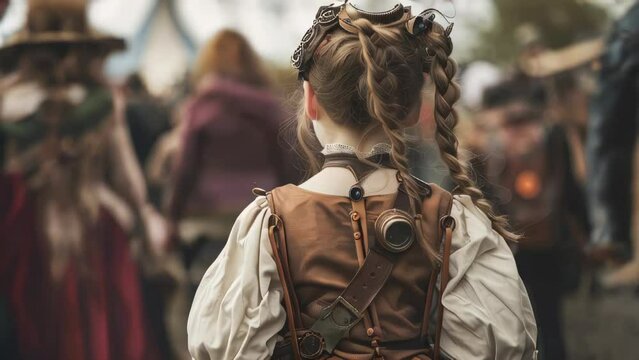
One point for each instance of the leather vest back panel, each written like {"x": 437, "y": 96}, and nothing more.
{"x": 322, "y": 261}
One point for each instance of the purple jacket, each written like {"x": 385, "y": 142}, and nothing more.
{"x": 230, "y": 145}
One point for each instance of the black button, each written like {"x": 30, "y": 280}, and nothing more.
{"x": 356, "y": 193}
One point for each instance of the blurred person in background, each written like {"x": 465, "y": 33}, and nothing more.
{"x": 147, "y": 117}
{"x": 160, "y": 161}
{"x": 532, "y": 180}
{"x": 70, "y": 190}
{"x": 8, "y": 346}
{"x": 569, "y": 103}
{"x": 612, "y": 137}
{"x": 229, "y": 144}
{"x": 478, "y": 136}
{"x": 3, "y": 7}
{"x": 167, "y": 284}
{"x": 568, "y": 74}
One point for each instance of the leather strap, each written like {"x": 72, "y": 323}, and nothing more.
{"x": 290, "y": 300}
{"x": 444, "y": 282}
{"x": 445, "y": 228}
{"x": 279, "y": 234}
{"x": 368, "y": 281}
{"x": 361, "y": 248}
{"x": 337, "y": 319}
{"x": 371, "y": 318}
{"x": 359, "y": 208}
{"x": 359, "y": 168}
{"x": 429, "y": 304}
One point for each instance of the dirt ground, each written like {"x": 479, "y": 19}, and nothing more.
{"x": 602, "y": 326}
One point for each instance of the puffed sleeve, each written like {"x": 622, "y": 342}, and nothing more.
{"x": 236, "y": 313}
{"x": 487, "y": 311}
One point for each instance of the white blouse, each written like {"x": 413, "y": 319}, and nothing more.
{"x": 237, "y": 310}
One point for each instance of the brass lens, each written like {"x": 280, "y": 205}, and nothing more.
{"x": 395, "y": 230}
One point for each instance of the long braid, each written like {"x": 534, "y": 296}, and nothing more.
{"x": 374, "y": 79}
{"x": 386, "y": 103}
{"x": 442, "y": 72}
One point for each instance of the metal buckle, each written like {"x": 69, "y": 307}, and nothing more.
{"x": 335, "y": 321}
{"x": 311, "y": 345}
{"x": 274, "y": 221}
{"x": 331, "y": 312}
{"x": 447, "y": 222}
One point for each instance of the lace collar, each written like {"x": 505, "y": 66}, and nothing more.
{"x": 377, "y": 149}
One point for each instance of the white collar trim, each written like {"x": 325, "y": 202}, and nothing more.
{"x": 377, "y": 149}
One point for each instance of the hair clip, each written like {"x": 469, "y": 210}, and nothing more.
{"x": 420, "y": 24}
{"x": 449, "y": 29}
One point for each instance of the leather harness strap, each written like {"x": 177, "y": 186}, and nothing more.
{"x": 444, "y": 282}
{"x": 359, "y": 168}
{"x": 337, "y": 319}
{"x": 429, "y": 304}
{"x": 361, "y": 248}
{"x": 290, "y": 299}
{"x": 446, "y": 227}
{"x": 279, "y": 235}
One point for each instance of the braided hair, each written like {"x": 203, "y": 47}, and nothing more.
{"x": 374, "y": 78}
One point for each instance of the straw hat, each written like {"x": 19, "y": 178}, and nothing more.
{"x": 551, "y": 62}
{"x": 55, "y": 23}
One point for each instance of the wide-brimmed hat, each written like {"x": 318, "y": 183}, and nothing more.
{"x": 552, "y": 62}
{"x": 56, "y": 23}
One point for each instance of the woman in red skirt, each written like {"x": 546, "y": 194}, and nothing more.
{"x": 68, "y": 284}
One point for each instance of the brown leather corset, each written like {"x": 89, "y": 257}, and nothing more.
{"x": 322, "y": 261}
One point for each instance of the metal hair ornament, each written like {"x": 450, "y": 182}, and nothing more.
{"x": 342, "y": 14}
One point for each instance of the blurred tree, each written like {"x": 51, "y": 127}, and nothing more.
{"x": 550, "y": 23}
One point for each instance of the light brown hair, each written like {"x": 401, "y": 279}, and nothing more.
{"x": 374, "y": 79}
{"x": 229, "y": 54}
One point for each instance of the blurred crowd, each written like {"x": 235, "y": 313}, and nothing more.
{"x": 114, "y": 201}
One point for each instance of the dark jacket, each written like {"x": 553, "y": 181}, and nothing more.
{"x": 613, "y": 133}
